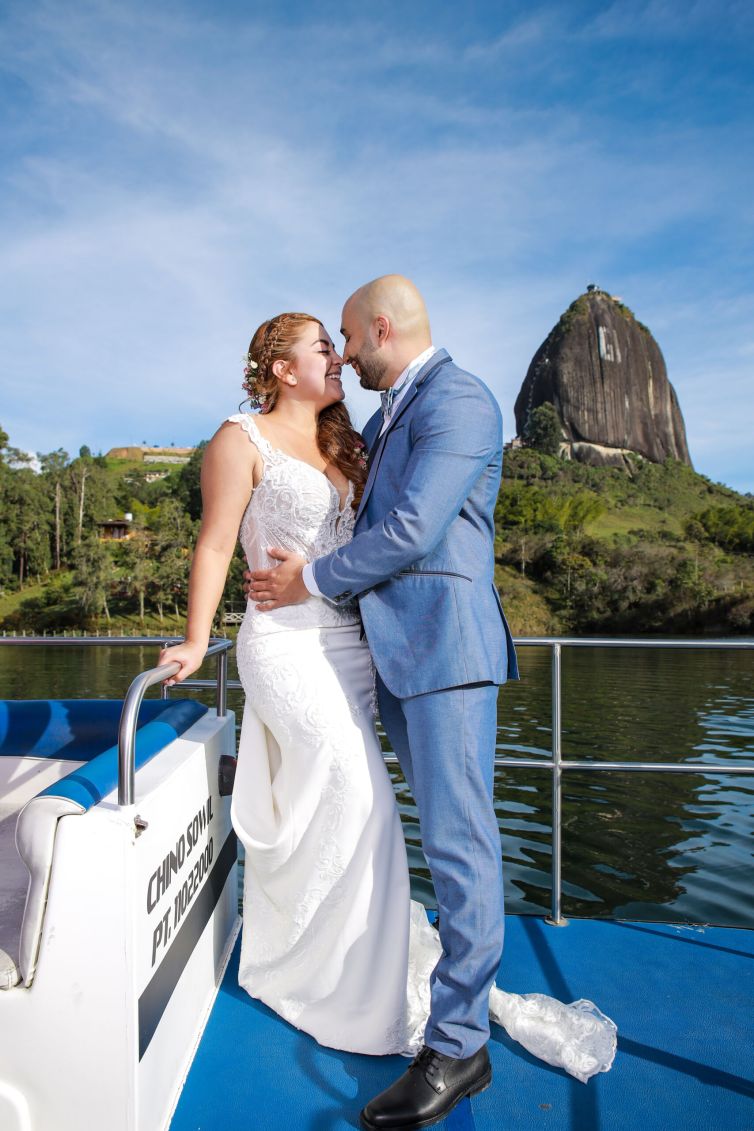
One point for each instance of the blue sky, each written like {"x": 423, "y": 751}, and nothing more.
{"x": 174, "y": 173}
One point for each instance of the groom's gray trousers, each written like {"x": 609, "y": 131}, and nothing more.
{"x": 445, "y": 743}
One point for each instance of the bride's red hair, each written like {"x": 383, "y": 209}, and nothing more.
{"x": 337, "y": 439}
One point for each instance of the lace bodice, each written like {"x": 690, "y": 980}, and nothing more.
{"x": 296, "y": 507}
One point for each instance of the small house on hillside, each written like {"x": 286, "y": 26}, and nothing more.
{"x": 116, "y": 529}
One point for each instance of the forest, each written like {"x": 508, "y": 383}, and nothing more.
{"x": 652, "y": 549}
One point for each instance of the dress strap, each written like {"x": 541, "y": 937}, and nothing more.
{"x": 249, "y": 425}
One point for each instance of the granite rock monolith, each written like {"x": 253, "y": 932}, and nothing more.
{"x": 606, "y": 377}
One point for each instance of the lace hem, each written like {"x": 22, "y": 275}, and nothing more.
{"x": 578, "y": 1037}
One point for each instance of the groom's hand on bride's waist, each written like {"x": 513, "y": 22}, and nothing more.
{"x": 282, "y": 585}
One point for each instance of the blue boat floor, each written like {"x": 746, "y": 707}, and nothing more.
{"x": 682, "y": 998}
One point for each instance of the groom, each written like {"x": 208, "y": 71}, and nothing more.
{"x": 421, "y": 566}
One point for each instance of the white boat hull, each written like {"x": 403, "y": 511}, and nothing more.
{"x": 137, "y": 929}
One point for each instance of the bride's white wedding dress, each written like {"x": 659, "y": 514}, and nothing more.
{"x": 332, "y": 941}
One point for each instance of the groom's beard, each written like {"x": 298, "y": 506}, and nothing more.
{"x": 371, "y": 370}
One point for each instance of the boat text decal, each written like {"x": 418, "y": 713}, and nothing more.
{"x": 156, "y": 995}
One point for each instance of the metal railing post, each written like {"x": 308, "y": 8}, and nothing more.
{"x": 127, "y": 728}
{"x": 222, "y": 684}
{"x": 556, "y": 919}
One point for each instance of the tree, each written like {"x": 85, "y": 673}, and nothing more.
{"x": 93, "y": 576}
{"x": 543, "y": 430}
{"x": 170, "y": 579}
{"x": 174, "y": 538}
{"x": 6, "y": 547}
{"x": 189, "y": 482}
{"x": 139, "y": 569}
{"x": 17, "y": 457}
{"x": 521, "y": 504}
{"x": 731, "y": 527}
{"x": 79, "y": 474}
{"x": 580, "y": 509}
{"x": 25, "y": 522}
{"x": 91, "y": 496}
{"x": 525, "y": 510}
{"x": 53, "y": 466}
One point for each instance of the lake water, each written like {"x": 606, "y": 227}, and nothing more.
{"x": 675, "y": 847}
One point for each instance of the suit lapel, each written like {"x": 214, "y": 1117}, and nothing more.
{"x": 378, "y": 447}
{"x": 371, "y": 431}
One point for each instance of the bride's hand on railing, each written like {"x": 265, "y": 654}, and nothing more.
{"x": 189, "y": 655}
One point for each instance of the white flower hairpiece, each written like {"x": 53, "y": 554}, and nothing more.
{"x": 250, "y": 367}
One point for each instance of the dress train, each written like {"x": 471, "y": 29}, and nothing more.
{"x": 577, "y": 1037}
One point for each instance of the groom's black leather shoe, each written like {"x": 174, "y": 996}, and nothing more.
{"x": 430, "y": 1089}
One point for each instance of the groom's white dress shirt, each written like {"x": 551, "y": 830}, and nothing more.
{"x": 408, "y": 375}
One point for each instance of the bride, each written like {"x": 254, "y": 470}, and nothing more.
{"x": 332, "y": 941}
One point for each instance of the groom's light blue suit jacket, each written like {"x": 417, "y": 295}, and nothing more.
{"x": 421, "y": 562}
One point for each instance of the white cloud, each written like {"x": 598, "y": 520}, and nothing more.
{"x": 183, "y": 178}
{"x": 667, "y": 19}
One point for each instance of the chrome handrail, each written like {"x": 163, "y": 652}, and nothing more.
{"x": 132, "y": 703}
{"x": 558, "y": 765}
{"x": 139, "y": 686}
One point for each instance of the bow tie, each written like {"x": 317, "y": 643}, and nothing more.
{"x": 387, "y": 396}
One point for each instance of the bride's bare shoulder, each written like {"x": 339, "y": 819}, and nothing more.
{"x": 229, "y": 474}
{"x": 233, "y": 432}
{"x": 230, "y": 444}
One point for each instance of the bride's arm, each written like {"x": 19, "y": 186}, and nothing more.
{"x": 227, "y": 479}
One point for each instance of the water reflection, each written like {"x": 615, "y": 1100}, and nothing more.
{"x": 662, "y": 847}
{"x": 634, "y": 845}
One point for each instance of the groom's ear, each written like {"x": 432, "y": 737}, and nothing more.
{"x": 382, "y": 328}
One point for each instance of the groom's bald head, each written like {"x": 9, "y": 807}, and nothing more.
{"x": 397, "y": 298}
{"x": 386, "y": 325}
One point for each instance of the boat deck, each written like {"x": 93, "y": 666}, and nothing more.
{"x": 682, "y": 998}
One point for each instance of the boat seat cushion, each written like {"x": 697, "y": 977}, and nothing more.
{"x": 88, "y": 784}
{"x": 35, "y": 839}
{"x": 73, "y": 729}
{"x": 20, "y": 780}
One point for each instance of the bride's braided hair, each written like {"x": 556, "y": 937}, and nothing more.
{"x": 337, "y": 439}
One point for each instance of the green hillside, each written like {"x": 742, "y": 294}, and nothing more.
{"x": 655, "y": 549}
